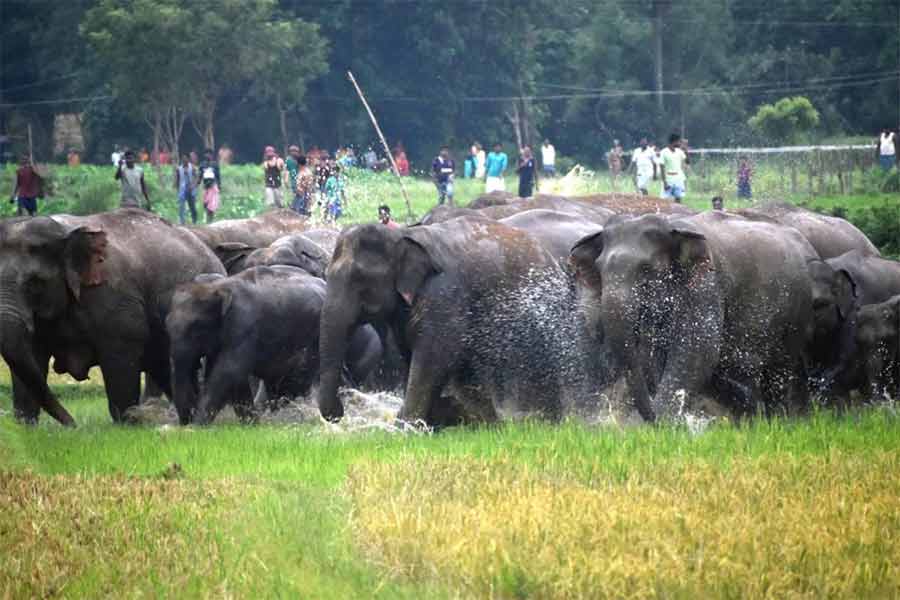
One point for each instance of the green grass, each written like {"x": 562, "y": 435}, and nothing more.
{"x": 91, "y": 188}
{"x": 302, "y": 511}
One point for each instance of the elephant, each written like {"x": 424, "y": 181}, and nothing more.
{"x": 296, "y": 250}
{"x": 462, "y": 298}
{"x": 258, "y": 232}
{"x": 91, "y": 291}
{"x": 843, "y": 285}
{"x": 711, "y": 304}
{"x": 262, "y": 322}
{"x": 497, "y": 205}
{"x": 556, "y": 231}
{"x": 830, "y": 236}
{"x": 878, "y": 344}
{"x": 595, "y": 214}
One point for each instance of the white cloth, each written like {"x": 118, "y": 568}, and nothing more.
{"x": 494, "y": 184}
{"x": 673, "y": 165}
{"x": 480, "y": 158}
{"x": 887, "y": 144}
{"x": 643, "y": 181}
{"x": 644, "y": 161}
{"x": 548, "y": 155}
{"x": 116, "y": 157}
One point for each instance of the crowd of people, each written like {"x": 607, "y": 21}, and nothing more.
{"x": 314, "y": 180}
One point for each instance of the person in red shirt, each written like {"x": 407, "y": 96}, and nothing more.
{"x": 401, "y": 161}
{"x": 28, "y": 188}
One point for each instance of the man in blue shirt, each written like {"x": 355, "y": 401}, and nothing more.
{"x": 442, "y": 172}
{"x": 495, "y": 166}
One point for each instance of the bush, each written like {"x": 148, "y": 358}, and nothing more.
{"x": 881, "y": 224}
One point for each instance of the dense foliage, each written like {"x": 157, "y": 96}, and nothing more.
{"x": 253, "y": 72}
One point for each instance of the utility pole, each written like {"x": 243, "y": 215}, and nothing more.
{"x": 660, "y": 7}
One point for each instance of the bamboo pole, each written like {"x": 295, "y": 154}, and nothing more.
{"x": 387, "y": 150}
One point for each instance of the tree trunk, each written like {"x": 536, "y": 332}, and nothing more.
{"x": 515, "y": 120}
{"x": 282, "y": 121}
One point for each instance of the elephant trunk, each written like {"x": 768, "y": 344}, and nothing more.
{"x": 619, "y": 315}
{"x": 16, "y": 348}
{"x": 184, "y": 387}
{"x": 336, "y": 325}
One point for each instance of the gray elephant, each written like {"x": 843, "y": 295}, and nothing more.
{"x": 878, "y": 347}
{"x": 710, "y": 304}
{"x": 91, "y": 291}
{"x": 257, "y": 232}
{"x": 262, "y": 322}
{"x": 830, "y": 236}
{"x": 295, "y": 250}
{"x": 463, "y": 300}
{"x": 556, "y": 231}
{"x": 842, "y": 287}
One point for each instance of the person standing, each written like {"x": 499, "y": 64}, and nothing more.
{"x": 744, "y": 176}
{"x": 643, "y": 163}
{"x": 673, "y": 160}
{"x": 548, "y": 159}
{"x": 887, "y": 149}
{"x": 116, "y": 155}
{"x": 526, "y": 172}
{"x": 212, "y": 184}
{"x": 186, "y": 184}
{"x": 273, "y": 175}
{"x": 495, "y": 168}
{"x": 28, "y": 188}
{"x": 469, "y": 164}
{"x": 480, "y": 159}
{"x": 292, "y": 167}
{"x": 333, "y": 207}
{"x": 442, "y": 172}
{"x": 614, "y": 161}
{"x": 401, "y": 161}
{"x": 134, "y": 189}
{"x": 304, "y": 188}
{"x": 74, "y": 158}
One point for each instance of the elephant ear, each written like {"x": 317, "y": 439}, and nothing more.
{"x": 414, "y": 267}
{"x": 583, "y": 258}
{"x": 233, "y": 255}
{"x": 691, "y": 250}
{"x": 843, "y": 286}
{"x": 84, "y": 255}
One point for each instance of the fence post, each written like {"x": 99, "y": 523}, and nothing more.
{"x": 793, "y": 162}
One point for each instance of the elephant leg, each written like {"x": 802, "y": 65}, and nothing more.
{"x": 26, "y": 406}
{"x": 224, "y": 374}
{"x": 242, "y": 400}
{"x": 428, "y": 375}
{"x": 122, "y": 380}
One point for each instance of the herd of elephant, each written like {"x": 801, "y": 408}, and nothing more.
{"x": 507, "y": 307}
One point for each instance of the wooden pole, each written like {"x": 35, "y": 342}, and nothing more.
{"x": 30, "y": 146}
{"x": 387, "y": 150}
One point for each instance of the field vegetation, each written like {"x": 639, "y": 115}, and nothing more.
{"x": 765, "y": 509}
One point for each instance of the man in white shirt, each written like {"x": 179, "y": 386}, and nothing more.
{"x": 643, "y": 163}
{"x": 548, "y": 159}
{"x": 673, "y": 160}
{"x": 887, "y": 151}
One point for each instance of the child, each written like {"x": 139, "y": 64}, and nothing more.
{"x": 745, "y": 174}
{"x": 718, "y": 203}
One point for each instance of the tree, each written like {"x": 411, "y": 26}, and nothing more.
{"x": 141, "y": 44}
{"x": 296, "y": 55}
{"x": 786, "y": 120}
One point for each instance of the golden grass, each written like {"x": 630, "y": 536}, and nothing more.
{"x": 78, "y": 536}
{"x": 778, "y": 527}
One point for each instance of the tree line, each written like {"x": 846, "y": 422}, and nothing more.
{"x": 200, "y": 73}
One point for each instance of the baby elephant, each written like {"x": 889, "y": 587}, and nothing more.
{"x": 262, "y": 322}
{"x": 878, "y": 348}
